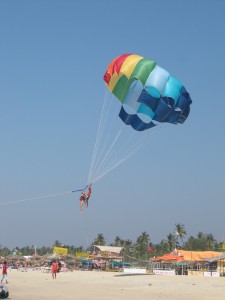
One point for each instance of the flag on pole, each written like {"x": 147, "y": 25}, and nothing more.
{"x": 150, "y": 249}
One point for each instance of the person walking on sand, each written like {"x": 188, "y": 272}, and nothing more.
{"x": 4, "y": 272}
{"x": 55, "y": 267}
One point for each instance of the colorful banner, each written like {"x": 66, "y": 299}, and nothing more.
{"x": 60, "y": 250}
{"x": 223, "y": 245}
{"x": 105, "y": 253}
{"x": 82, "y": 254}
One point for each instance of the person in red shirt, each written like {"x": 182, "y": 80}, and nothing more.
{"x": 55, "y": 267}
{"x": 4, "y": 272}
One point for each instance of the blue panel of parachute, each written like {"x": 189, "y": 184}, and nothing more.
{"x": 173, "y": 106}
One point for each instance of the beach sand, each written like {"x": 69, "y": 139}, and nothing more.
{"x": 97, "y": 285}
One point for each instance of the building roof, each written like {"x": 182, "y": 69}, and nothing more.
{"x": 195, "y": 255}
{"x": 182, "y": 255}
{"x": 216, "y": 258}
{"x": 109, "y": 248}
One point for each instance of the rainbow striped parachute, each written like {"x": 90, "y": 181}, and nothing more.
{"x": 148, "y": 93}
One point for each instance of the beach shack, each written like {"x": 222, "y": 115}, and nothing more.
{"x": 216, "y": 266}
{"x": 182, "y": 262}
{"x": 107, "y": 257}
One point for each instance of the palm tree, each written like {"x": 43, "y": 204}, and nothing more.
{"x": 57, "y": 243}
{"x": 210, "y": 241}
{"x": 100, "y": 240}
{"x": 128, "y": 246}
{"x": 200, "y": 235}
{"x": 165, "y": 246}
{"x": 142, "y": 244}
{"x": 180, "y": 231}
{"x": 118, "y": 242}
{"x": 171, "y": 241}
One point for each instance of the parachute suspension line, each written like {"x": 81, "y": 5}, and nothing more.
{"x": 107, "y": 153}
{"x": 103, "y": 142}
{"x": 123, "y": 155}
{"x": 107, "y": 156}
{"x": 128, "y": 152}
{"x": 105, "y": 149}
{"x": 98, "y": 137}
{"x": 123, "y": 152}
{"x": 114, "y": 165}
{"x": 34, "y": 198}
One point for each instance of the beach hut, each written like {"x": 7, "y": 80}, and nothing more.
{"x": 219, "y": 265}
{"x": 185, "y": 262}
{"x": 103, "y": 255}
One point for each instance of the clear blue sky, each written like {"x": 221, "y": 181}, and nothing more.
{"x": 53, "y": 54}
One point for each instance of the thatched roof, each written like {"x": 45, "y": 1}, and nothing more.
{"x": 15, "y": 257}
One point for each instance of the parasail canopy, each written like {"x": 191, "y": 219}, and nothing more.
{"x": 149, "y": 94}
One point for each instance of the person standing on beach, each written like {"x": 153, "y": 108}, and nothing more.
{"x": 55, "y": 267}
{"x": 4, "y": 272}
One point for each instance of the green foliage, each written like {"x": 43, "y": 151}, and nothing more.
{"x": 202, "y": 242}
{"x": 141, "y": 245}
{"x": 100, "y": 240}
{"x": 137, "y": 249}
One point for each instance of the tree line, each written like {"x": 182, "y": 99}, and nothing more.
{"x": 142, "y": 248}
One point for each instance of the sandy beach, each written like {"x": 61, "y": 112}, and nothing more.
{"x": 97, "y": 285}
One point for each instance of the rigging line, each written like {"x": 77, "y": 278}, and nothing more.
{"x": 119, "y": 153}
{"x": 118, "y": 156}
{"x": 113, "y": 167}
{"x": 34, "y": 198}
{"x": 105, "y": 139}
{"x": 104, "y": 166}
{"x": 128, "y": 153}
{"x": 104, "y": 135}
{"x": 103, "y": 129}
{"x": 105, "y": 153}
{"x": 104, "y": 148}
{"x": 118, "y": 161}
{"x": 104, "y": 132}
{"x": 108, "y": 152}
{"x": 100, "y": 134}
{"x": 107, "y": 144}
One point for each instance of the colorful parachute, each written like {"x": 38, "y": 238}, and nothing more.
{"x": 149, "y": 94}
